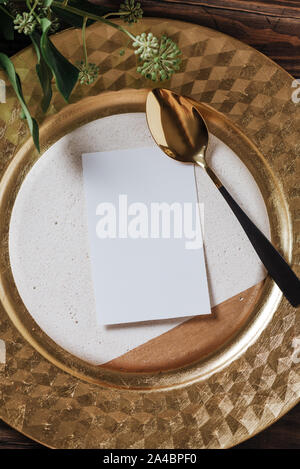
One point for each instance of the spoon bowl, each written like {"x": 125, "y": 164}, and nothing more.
{"x": 180, "y": 131}
{"x": 176, "y": 126}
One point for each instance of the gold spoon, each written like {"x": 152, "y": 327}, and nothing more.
{"x": 180, "y": 131}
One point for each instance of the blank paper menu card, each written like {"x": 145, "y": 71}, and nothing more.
{"x": 145, "y": 236}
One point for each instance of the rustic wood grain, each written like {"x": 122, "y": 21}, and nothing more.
{"x": 272, "y": 27}
{"x": 284, "y": 434}
{"x": 11, "y": 439}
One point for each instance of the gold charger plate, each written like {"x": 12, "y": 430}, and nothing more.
{"x": 223, "y": 396}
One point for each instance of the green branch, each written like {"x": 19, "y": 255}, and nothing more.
{"x": 5, "y": 11}
{"x": 92, "y": 16}
{"x": 158, "y": 58}
{"x": 115, "y": 13}
{"x": 84, "y": 40}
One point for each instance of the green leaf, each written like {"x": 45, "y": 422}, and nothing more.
{"x": 14, "y": 79}
{"x": 65, "y": 73}
{"x": 76, "y": 20}
{"x": 43, "y": 72}
{"x": 6, "y": 25}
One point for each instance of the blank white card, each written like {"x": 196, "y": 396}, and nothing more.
{"x": 145, "y": 236}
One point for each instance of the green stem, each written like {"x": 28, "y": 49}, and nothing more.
{"x": 32, "y": 8}
{"x": 84, "y": 40}
{"x": 5, "y": 11}
{"x": 91, "y": 16}
{"x": 115, "y": 13}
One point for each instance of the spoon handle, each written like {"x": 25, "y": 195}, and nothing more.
{"x": 277, "y": 267}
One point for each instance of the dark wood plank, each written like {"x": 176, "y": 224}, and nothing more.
{"x": 284, "y": 434}
{"x": 283, "y": 8}
{"x": 272, "y": 27}
{"x": 11, "y": 439}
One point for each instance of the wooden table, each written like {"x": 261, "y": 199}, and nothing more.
{"x": 272, "y": 27}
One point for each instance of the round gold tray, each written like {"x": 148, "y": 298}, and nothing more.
{"x": 245, "y": 377}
